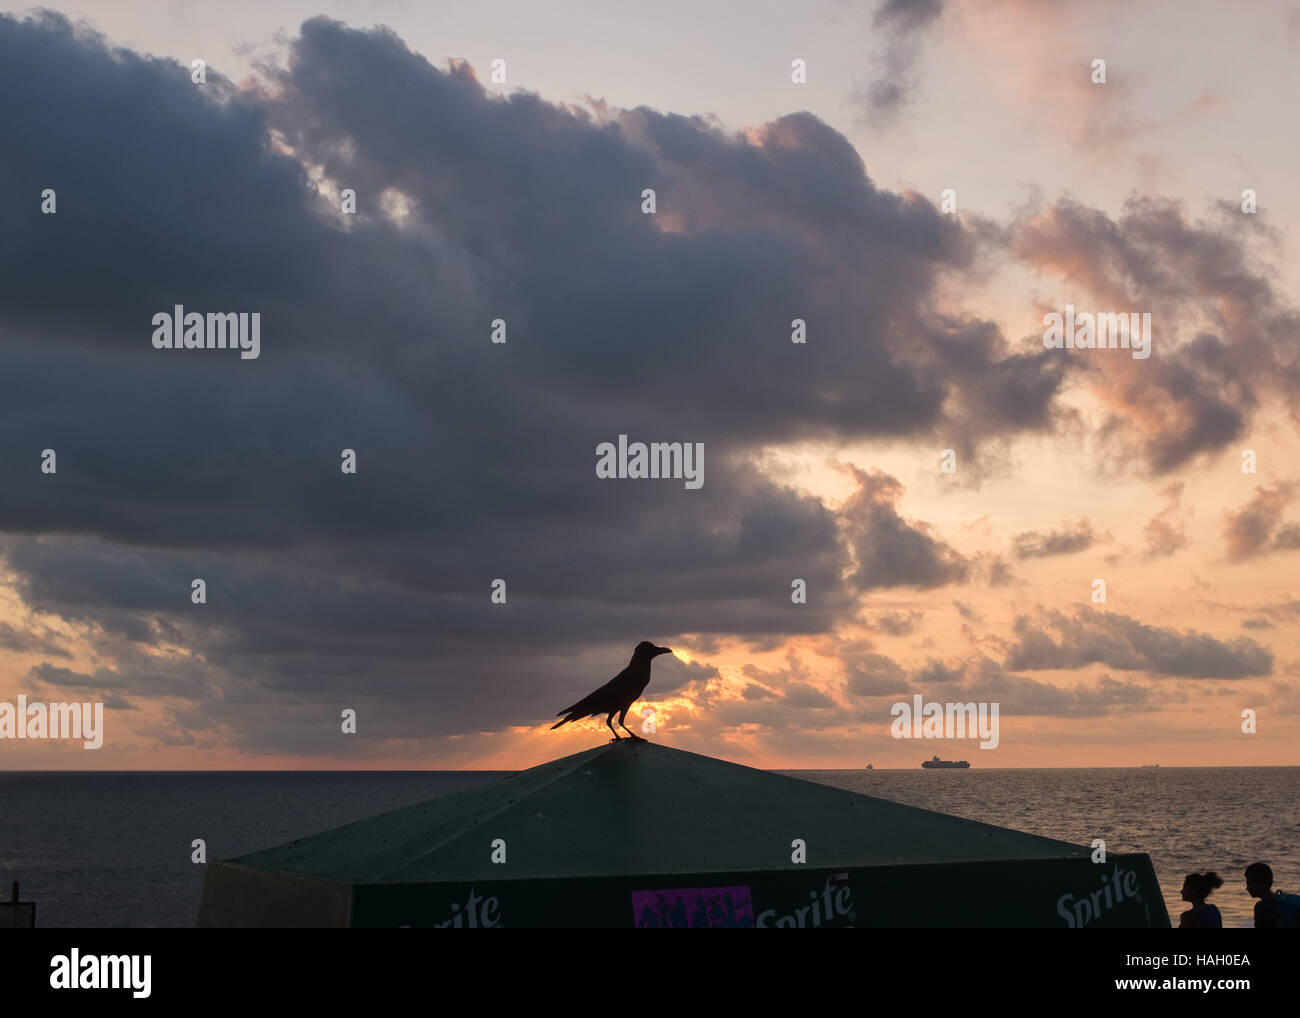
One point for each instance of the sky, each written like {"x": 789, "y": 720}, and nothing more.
{"x": 1101, "y": 544}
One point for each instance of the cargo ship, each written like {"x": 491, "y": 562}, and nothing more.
{"x": 935, "y": 763}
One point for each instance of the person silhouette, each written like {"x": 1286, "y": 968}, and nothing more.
{"x": 1196, "y": 888}
{"x": 1259, "y": 884}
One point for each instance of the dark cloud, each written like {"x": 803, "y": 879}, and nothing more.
{"x": 907, "y": 15}
{"x": 935, "y": 672}
{"x": 1257, "y": 527}
{"x": 897, "y": 623}
{"x": 1118, "y": 641}
{"x": 901, "y": 24}
{"x": 800, "y": 694}
{"x": 30, "y": 641}
{"x": 999, "y": 574}
{"x": 56, "y": 676}
{"x": 1222, "y": 336}
{"x": 789, "y": 686}
{"x": 1287, "y": 537}
{"x": 672, "y": 676}
{"x": 1165, "y": 533}
{"x": 873, "y": 675}
{"x": 475, "y": 461}
{"x": 796, "y": 701}
{"x": 873, "y": 682}
{"x": 1066, "y": 541}
{"x": 1285, "y": 610}
{"x": 105, "y": 686}
{"x": 1018, "y": 694}
{"x": 981, "y": 679}
{"x": 891, "y": 551}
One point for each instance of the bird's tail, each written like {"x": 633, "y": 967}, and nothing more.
{"x": 563, "y": 721}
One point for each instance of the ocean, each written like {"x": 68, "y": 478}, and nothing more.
{"x": 114, "y": 849}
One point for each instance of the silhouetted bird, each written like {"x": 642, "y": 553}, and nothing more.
{"x": 618, "y": 694}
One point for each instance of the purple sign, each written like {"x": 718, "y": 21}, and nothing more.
{"x": 694, "y": 908}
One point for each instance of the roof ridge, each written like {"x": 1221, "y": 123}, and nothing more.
{"x": 586, "y": 755}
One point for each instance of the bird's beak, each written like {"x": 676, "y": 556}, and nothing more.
{"x": 663, "y": 650}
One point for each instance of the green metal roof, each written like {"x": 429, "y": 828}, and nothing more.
{"x": 641, "y": 808}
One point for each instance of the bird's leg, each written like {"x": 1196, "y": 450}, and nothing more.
{"x": 609, "y": 721}
{"x": 621, "y": 717}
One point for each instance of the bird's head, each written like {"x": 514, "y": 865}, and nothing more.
{"x": 646, "y": 649}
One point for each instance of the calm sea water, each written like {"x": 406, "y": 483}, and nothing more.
{"x": 111, "y": 850}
